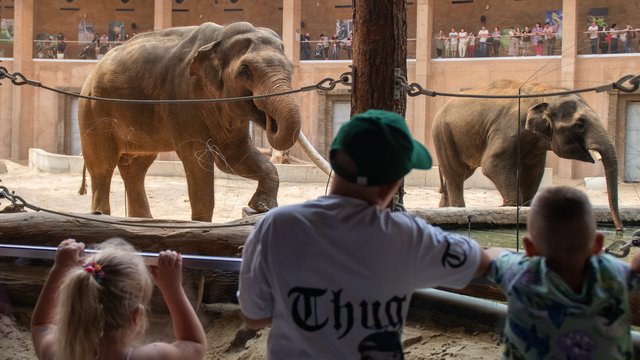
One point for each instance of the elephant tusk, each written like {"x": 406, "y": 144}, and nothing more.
{"x": 313, "y": 154}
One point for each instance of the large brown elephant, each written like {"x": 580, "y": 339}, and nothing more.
{"x": 469, "y": 133}
{"x": 196, "y": 62}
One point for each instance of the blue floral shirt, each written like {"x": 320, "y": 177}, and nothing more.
{"x": 548, "y": 320}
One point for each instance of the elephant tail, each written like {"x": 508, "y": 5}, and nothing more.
{"x": 442, "y": 187}
{"x": 83, "y": 186}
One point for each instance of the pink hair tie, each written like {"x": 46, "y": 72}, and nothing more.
{"x": 95, "y": 269}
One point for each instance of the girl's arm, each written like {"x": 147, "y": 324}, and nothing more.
{"x": 191, "y": 341}
{"x": 42, "y": 328}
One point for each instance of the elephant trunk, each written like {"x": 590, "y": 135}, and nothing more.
{"x": 282, "y": 117}
{"x": 607, "y": 151}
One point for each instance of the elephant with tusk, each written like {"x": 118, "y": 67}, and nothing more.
{"x": 209, "y": 61}
{"x": 470, "y": 133}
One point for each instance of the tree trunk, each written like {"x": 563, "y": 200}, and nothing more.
{"x": 45, "y": 229}
{"x": 379, "y": 48}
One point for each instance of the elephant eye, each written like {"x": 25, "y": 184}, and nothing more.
{"x": 579, "y": 125}
{"x": 244, "y": 71}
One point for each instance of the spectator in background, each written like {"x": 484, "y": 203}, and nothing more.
{"x": 614, "y": 39}
{"x": 447, "y": 47}
{"x": 61, "y": 47}
{"x": 453, "y": 39}
{"x": 513, "y": 42}
{"x": 439, "y": 41}
{"x": 324, "y": 43}
{"x": 593, "y": 37}
{"x": 348, "y": 45}
{"x": 472, "y": 45}
{"x": 483, "y": 36}
{"x": 462, "y": 42}
{"x": 335, "y": 47}
{"x": 305, "y": 46}
{"x": 496, "y": 37}
{"x": 624, "y": 39}
{"x": 550, "y": 38}
{"x": 604, "y": 41}
{"x": 538, "y": 38}
{"x": 526, "y": 41}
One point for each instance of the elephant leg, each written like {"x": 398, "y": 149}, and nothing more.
{"x": 502, "y": 172}
{"x": 100, "y": 158}
{"x": 454, "y": 185}
{"x": 199, "y": 166}
{"x": 530, "y": 179}
{"x": 133, "y": 169}
{"x": 248, "y": 162}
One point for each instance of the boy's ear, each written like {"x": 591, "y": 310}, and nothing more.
{"x": 597, "y": 245}
{"x": 529, "y": 247}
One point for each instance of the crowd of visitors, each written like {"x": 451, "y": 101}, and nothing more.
{"x": 611, "y": 39}
{"x": 326, "y": 48}
{"x": 514, "y": 41}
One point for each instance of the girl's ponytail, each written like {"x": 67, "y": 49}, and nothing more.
{"x": 80, "y": 317}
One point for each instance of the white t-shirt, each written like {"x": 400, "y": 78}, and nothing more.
{"x": 593, "y": 31}
{"x": 454, "y": 37}
{"x": 483, "y": 35}
{"x": 336, "y": 275}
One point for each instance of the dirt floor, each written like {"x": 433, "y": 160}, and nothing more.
{"x": 228, "y": 340}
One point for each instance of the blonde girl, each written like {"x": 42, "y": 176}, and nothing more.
{"x": 95, "y": 307}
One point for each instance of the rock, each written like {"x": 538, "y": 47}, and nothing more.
{"x": 3, "y": 167}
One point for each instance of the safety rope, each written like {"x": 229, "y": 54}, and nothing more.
{"x": 415, "y": 89}
{"x": 326, "y": 84}
{"x": 19, "y": 204}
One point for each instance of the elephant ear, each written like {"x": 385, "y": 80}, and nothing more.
{"x": 206, "y": 64}
{"x": 538, "y": 121}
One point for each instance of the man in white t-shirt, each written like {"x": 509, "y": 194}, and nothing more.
{"x": 593, "y": 37}
{"x": 334, "y": 276}
{"x": 483, "y": 34}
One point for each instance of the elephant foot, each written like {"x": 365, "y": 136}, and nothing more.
{"x": 262, "y": 206}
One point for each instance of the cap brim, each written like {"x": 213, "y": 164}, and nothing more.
{"x": 421, "y": 158}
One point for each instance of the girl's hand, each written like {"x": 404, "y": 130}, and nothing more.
{"x": 168, "y": 273}
{"x": 69, "y": 254}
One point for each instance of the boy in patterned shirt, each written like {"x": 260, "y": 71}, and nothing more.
{"x": 566, "y": 300}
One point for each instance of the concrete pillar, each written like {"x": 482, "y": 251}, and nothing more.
{"x": 569, "y": 43}
{"x": 568, "y": 63}
{"x": 424, "y": 36}
{"x": 22, "y": 111}
{"x": 291, "y": 15}
{"x": 162, "y": 14}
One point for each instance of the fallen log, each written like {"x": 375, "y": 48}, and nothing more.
{"x": 151, "y": 235}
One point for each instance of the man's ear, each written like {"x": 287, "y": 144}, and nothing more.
{"x": 597, "y": 245}
{"x": 386, "y": 192}
{"x": 529, "y": 247}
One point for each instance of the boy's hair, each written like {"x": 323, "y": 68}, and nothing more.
{"x": 561, "y": 221}
{"x": 98, "y": 299}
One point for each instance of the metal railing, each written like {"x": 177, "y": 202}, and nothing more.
{"x": 196, "y": 262}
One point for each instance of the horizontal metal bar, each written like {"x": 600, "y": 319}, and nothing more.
{"x": 188, "y": 261}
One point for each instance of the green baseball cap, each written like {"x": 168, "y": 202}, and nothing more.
{"x": 380, "y": 147}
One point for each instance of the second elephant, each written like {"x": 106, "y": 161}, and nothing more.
{"x": 469, "y": 133}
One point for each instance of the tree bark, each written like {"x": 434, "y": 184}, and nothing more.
{"x": 45, "y": 229}
{"x": 379, "y": 47}
{"x": 379, "y": 51}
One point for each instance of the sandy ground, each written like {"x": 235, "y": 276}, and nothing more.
{"x": 228, "y": 340}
